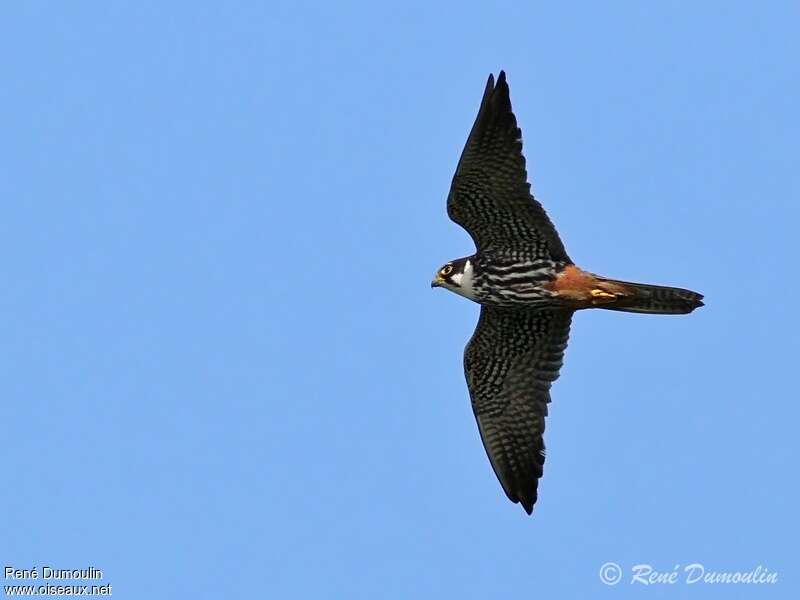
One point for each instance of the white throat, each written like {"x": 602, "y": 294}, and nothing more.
{"x": 463, "y": 282}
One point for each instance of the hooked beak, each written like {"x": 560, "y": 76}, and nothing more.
{"x": 437, "y": 281}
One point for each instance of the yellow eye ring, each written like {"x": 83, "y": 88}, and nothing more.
{"x": 447, "y": 270}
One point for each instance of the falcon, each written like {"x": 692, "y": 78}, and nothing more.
{"x": 528, "y": 289}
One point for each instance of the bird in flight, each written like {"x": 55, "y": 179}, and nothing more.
{"x": 528, "y": 289}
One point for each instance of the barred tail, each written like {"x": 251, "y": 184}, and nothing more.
{"x": 653, "y": 299}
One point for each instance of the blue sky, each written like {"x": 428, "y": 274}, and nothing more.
{"x": 224, "y": 374}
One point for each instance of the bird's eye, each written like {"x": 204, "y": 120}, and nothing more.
{"x": 447, "y": 270}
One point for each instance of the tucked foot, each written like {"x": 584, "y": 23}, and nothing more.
{"x": 601, "y": 296}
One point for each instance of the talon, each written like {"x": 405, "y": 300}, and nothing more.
{"x": 597, "y": 293}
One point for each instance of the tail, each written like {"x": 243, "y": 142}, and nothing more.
{"x": 653, "y": 299}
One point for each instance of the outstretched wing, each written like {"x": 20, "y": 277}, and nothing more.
{"x": 510, "y": 362}
{"x": 490, "y": 195}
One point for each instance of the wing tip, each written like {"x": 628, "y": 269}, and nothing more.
{"x": 527, "y": 498}
{"x": 524, "y": 495}
{"x": 487, "y": 92}
{"x": 501, "y": 82}
{"x": 501, "y": 100}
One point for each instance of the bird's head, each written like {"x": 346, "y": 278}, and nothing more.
{"x": 455, "y": 276}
